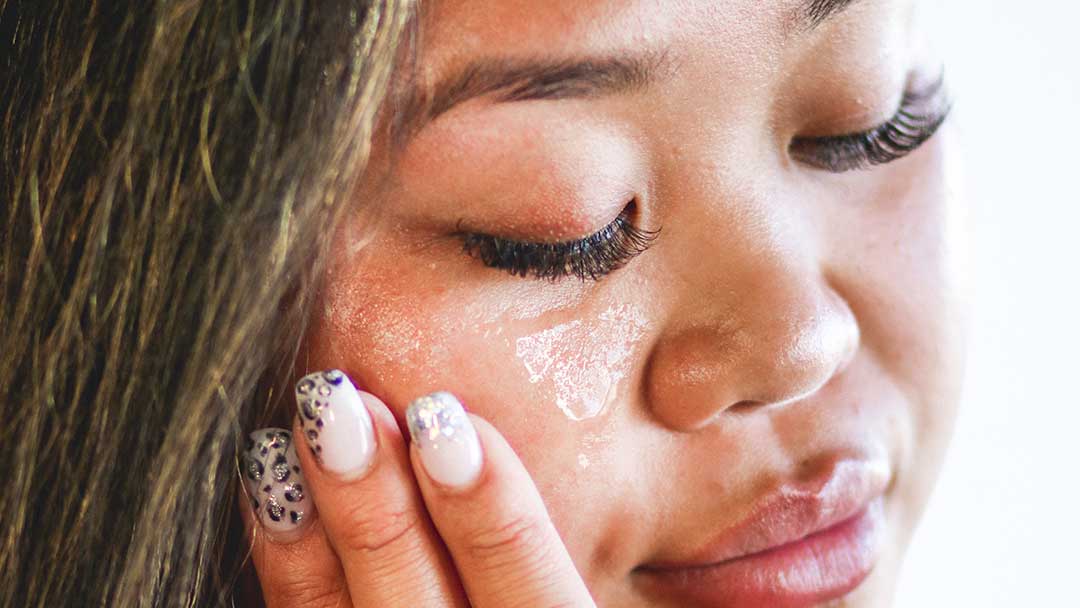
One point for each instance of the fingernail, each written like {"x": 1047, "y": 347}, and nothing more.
{"x": 449, "y": 448}
{"x": 336, "y": 424}
{"x": 275, "y": 483}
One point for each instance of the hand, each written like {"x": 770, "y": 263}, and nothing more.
{"x": 450, "y": 519}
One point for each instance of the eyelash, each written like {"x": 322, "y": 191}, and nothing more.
{"x": 589, "y": 258}
{"x": 911, "y": 126}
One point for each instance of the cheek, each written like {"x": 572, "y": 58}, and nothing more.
{"x": 919, "y": 249}
{"x": 905, "y": 279}
{"x": 401, "y": 342}
{"x": 536, "y": 359}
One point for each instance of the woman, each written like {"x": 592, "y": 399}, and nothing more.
{"x": 692, "y": 268}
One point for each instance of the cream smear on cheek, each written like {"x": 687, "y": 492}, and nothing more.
{"x": 583, "y": 361}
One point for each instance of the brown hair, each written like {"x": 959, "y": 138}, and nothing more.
{"x": 169, "y": 170}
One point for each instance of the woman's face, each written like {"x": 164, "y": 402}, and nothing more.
{"x": 784, "y": 355}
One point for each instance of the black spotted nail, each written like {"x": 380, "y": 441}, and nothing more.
{"x": 275, "y": 483}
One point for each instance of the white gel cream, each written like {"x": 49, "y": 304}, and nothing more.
{"x": 583, "y": 361}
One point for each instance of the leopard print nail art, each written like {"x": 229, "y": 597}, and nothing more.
{"x": 313, "y": 397}
{"x": 275, "y": 483}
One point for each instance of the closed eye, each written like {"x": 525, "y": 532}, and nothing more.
{"x": 918, "y": 118}
{"x": 589, "y": 258}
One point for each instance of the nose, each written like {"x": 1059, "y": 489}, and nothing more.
{"x": 776, "y": 338}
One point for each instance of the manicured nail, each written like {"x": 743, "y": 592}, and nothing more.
{"x": 337, "y": 426}
{"x": 449, "y": 448}
{"x": 275, "y": 484}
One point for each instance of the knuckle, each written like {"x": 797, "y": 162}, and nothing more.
{"x": 521, "y": 538}
{"x": 381, "y": 530}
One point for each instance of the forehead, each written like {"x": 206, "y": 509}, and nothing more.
{"x": 454, "y": 31}
{"x": 456, "y": 41}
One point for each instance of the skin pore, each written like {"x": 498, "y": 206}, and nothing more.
{"x": 784, "y": 319}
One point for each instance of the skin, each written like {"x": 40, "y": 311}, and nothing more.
{"x": 787, "y": 316}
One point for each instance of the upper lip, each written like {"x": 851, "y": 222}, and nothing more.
{"x": 790, "y": 512}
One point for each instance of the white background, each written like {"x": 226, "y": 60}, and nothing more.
{"x": 1003, "y": 528}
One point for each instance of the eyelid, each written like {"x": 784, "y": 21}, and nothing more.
{"x": 921, "y": 112}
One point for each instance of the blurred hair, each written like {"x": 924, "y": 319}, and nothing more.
{"x": 169, "y": 171}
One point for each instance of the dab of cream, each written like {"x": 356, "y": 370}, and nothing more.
{"x": 583, "y": 461}
{"x": 584, "y": 361}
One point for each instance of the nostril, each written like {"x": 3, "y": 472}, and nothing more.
{"x": 744, "y": 407}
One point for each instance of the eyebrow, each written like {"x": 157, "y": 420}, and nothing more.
{"x": 529, "y": 79}
{"x": 542, "y": 78}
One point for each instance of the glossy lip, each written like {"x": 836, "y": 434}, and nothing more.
{"x": 802, "y": 544}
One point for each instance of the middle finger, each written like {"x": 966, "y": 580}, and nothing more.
{"x": 363, "y": 486}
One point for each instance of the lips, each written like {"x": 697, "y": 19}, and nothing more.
{"x": 802, "y": 543}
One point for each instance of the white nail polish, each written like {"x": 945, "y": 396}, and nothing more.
{"x": 275, "y": 484}
{"x": 337, "y": 426}
{"x": 449, "y": 448}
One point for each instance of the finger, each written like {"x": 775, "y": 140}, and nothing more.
{"x": 488, "y": 511}
{"x": 294, "y": 561}
{"x": 360, "y": 477}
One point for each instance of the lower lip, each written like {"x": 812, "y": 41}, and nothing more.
{"x": 824, "y": 566}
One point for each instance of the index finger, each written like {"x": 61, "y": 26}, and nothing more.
{"x": 488, "y": 511}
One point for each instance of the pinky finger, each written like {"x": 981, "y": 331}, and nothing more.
{"x": 295, "y": 563}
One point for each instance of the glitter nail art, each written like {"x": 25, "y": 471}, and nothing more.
{"x": 449, "y": 447}
{"x": 274, "y": 481}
